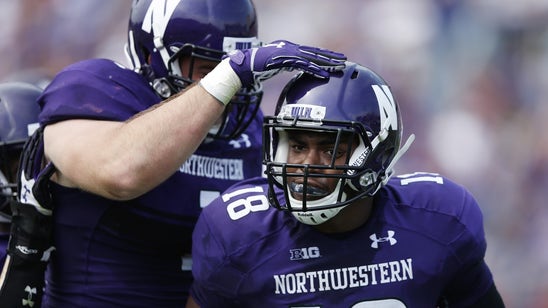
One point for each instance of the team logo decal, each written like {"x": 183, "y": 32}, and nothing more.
{"x": 387, "y": 106}
{"x": 304, "y": 253}
{"x": 376, "y": 240}
{"x": 28, "y": 301}
{"x": 243, "y": 141}
{"x": 158, "y": 15}
{"x": 303, "y": 111}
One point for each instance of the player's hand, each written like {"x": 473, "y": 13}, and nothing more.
{"x": 261, "y": 63}
{"x": 31, "y": 239}
{"x": 33, "y": 181}
{"x": 31, "y": 214}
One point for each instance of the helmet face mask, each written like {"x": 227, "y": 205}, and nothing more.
{"x": 356, "y": 109}
{"x": 177, "y": 78}
{"x": 7, "y": 193}
{"x": 162, "y": 34}
{"x": 315, "y": 192}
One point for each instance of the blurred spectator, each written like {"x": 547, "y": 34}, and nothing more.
{"x": 50, "y": 34}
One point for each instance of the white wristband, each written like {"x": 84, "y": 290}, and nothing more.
{"x": 222, "y": 82}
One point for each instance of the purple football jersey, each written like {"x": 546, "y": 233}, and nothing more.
{"x": 130, "y": 254}
{"x": 424, "y": 239}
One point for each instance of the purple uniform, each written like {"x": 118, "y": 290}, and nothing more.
{"x": 129, "y": 254}
{"x": 4, "y": 239}
{"x": 424, "y": 239}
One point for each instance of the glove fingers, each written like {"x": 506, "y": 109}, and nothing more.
{"x": 289, "y": 63}
{"x": 30, "y": 168}
{"x": 309, "y": 51}
{"x": 32, "y": 154}
{"x": 261, "y": 63}
{"x": 323, "y": 53}
{"x": 29, "y": 152}
{"x": 41, "y": 186}
{"x": 321, "y": 59}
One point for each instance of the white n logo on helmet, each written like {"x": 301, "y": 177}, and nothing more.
{"x": 387, "y": 107}
{"x": 157, "y": 17}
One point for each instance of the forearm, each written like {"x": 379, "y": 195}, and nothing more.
{"x": 122, "y": 160}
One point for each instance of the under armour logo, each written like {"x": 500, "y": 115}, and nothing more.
{"x": 242, "y": 142}
{"x": 29, "y": 302}
{"x": 25, "y": 193}
{"x": 376, "y": 240}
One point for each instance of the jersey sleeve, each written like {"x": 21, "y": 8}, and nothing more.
{"x": 208, "y": 256}
{"x": 236, "y": 234}
{"x": 449, "y": 214}
{"x": 96, "y": 89}
{"x": 472, "y": 277}
{"x": 218, "y": 237}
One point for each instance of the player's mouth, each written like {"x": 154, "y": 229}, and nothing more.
{"x": 313, "y": 191}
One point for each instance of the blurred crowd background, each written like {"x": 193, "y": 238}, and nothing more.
{"x": 471, "y": 78}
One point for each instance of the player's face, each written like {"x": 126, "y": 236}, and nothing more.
{"x": 316, "y": 148}
{"x": 200, "y": 67}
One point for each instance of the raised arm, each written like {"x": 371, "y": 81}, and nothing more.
{"x": 122, "y": 160}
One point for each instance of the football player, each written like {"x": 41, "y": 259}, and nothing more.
{"x": 18, "y": 120}
{"x": 331, "y": 226}
{"x": 138, "y": 152}
{"x": 22, "y": 277}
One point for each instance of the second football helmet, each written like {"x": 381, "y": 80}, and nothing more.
{"x": 18, "y": 120}
{"x": 355, "y": 102}
{"x": 161, "y": 33}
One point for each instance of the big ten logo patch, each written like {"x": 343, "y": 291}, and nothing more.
{"x": 304, "y": 253}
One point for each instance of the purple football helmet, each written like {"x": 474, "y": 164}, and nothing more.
{"x": 18, "y": 120}
{"x": 355, "y": 102}
{"x": 162, "y": 32}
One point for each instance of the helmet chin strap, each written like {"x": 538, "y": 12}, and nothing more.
{"x": 316, "y": 217}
